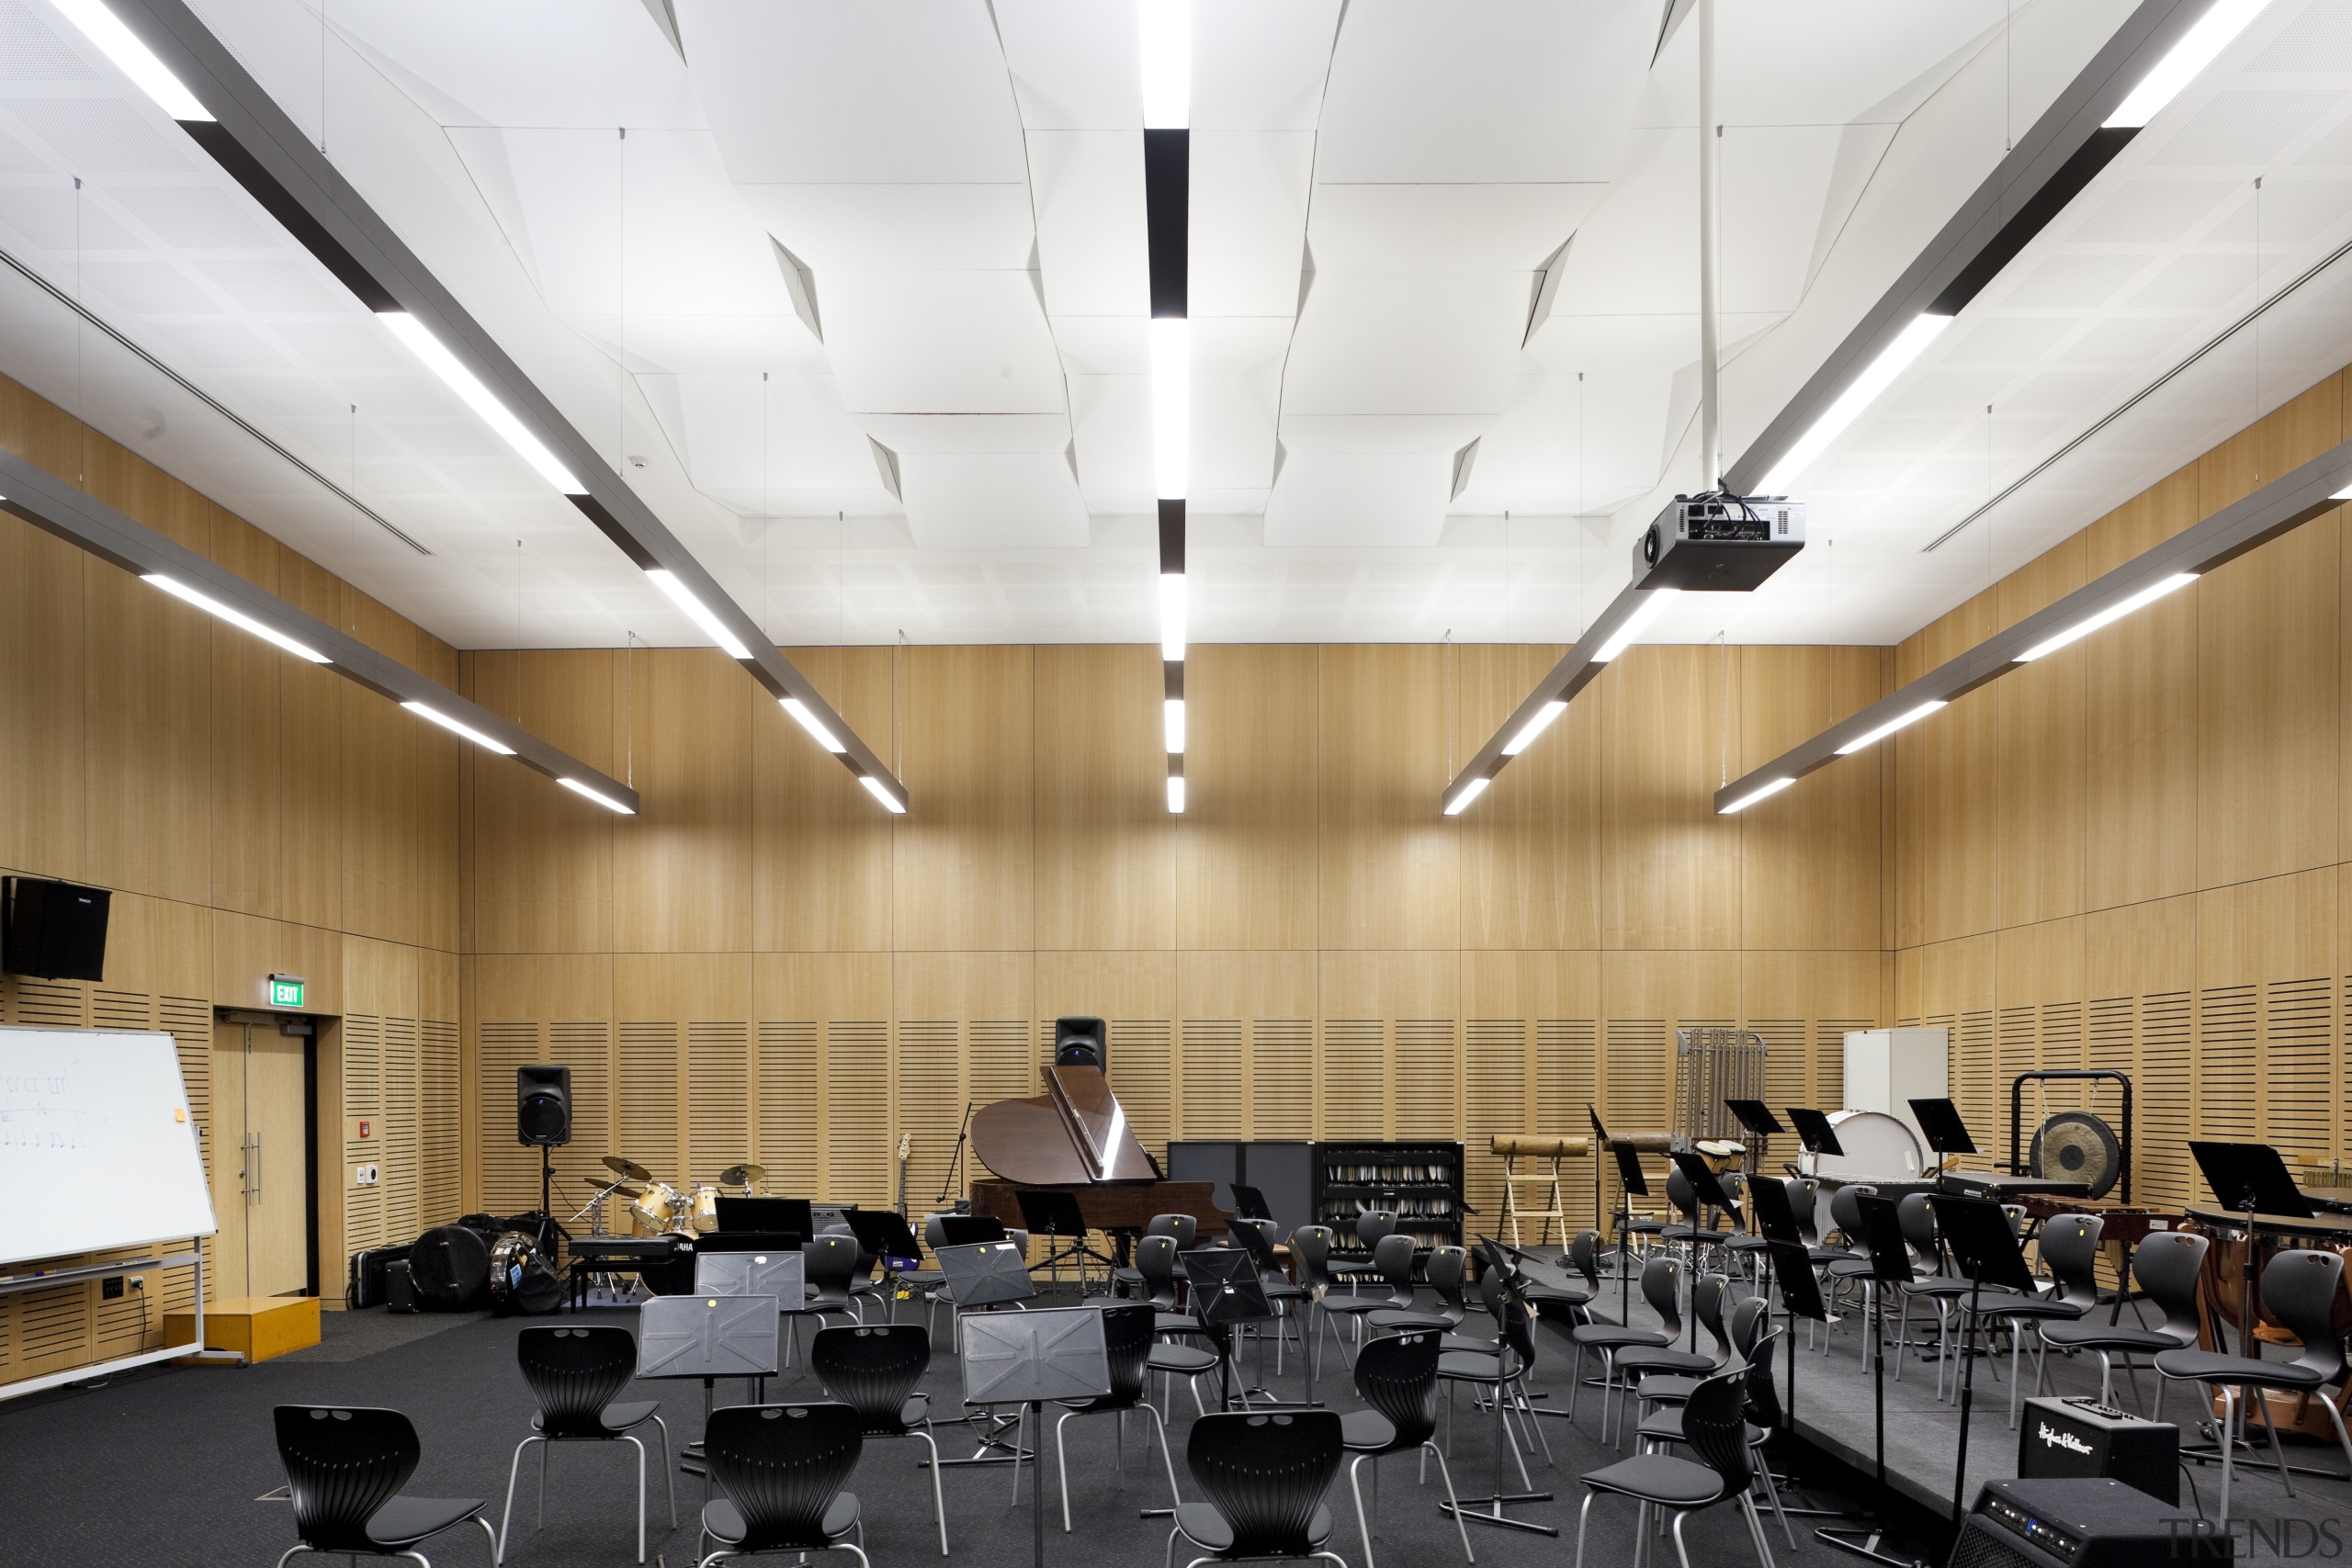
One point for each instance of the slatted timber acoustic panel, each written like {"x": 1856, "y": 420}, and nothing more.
{"x": 250, "y": 813}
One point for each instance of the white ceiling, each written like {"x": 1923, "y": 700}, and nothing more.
{"x": 1414, "y": 229}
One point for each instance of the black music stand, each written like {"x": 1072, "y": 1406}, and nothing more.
{"x": 884, "y": 1234}
{"x": 965, "y": 1230}
{"x": 1055, "y": 1214}
{"x": 766, "y": 1214}
{"x": 1249, "y": 1203}
{"x": 984, "y": 1274}
{"x": 1890, "y": 1269}
{"x": 1946, "y": 1134}
{"x": 1031, "y": 1358}
{"x": 1792, "y": 1265}
{"x": 1978, "y": 1233}
{"x": 731, "y": 1274}
{"x": 1254, "y": 1242}
{"x": 1631, "y": 1183}
{"x": 1816, "y": 1133}
{"x": 1707, "y": 1190}
{"x": 1758, "y": 1119}
{"x": 1600, "y": 1141}
{"x": 707, "y": 1338}
{"x": 1226, "y": 1291}
{"x": 2251, "y": 1180}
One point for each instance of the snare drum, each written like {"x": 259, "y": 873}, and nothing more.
{"x": 656, "y": 1211}
{"x": 508, "y": 1256}
{"x": 1876, "y": 1145}
{"x": 705, "y": 1208}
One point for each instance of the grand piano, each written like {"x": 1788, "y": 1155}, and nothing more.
{"x": 1075, "y": 1139}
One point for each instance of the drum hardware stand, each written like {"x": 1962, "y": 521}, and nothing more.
{"x": 956, "y": 1163}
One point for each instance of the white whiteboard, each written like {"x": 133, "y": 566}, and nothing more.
{"x": 98, "y": 1148}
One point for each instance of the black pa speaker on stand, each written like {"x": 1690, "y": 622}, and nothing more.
{"x": 1081, "y": 1043}
{"x": 543, "y": 1116}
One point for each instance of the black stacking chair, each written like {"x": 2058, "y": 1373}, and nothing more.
{"x": 1661, "y": 1430}
{"x": 1936, "y": 1286}
{"x": 573, "y": 1374}
{"x": 1715, "y": 1426}
{"x": 2166, "y": 1264}
{"x": 1156, "y": 1263}
{"x": 1442, "y": 1273}
{"x": 1397, "y": 1376}
{"x": 829, "y": 1272}
{"x": 1182, "y": 1228}
{"x": 1280, "y": 1292}
{"x": 1584, "y": 1256}
{"x": 2298, "y": 1290}
{"x": 1392, "y": 1256}
{"x": 1746, "y": 1323}
{"x": 1689, "y": 1234}
{"x": 873, "y": 1370}
{"x": 2070, "y": 1248}
{"x": 1372, "y": 1227}
{"x": 1635, "y": 1364}
{"x": 1743, "y": 1241}
{"x": 344, "y": 1471}
{"x": 1845, "y": 1266}
{"x": 1310, "y": 1250}
{"x": 862, "y": 1286}
{"x": 1264, "y": 1475}
{"x": 780, "y": 1468}
{"x": 1128, "y": 1334}
{"x": 1661, "y": 1288}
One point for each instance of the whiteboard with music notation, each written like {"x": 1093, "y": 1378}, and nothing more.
{"x": 97, "y": 1148}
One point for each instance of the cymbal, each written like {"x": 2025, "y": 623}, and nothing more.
{"x": 627, "y": 1167}
{"x": 600, "y": 1184}
{"x": 742, "y": 1175}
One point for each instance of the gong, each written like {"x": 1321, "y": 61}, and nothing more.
{"x": 2075, "y": 1145}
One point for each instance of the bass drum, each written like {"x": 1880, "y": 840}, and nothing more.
{"x": 657, "y": 1211}
{"x": 1877, "y": 1146}
{"x": 450, "y": 1266}
{"x": 520, "y": 1279}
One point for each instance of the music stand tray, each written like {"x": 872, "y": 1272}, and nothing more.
{"x": 1249, "y": 1203}
{"x": 1706, "y": 1185}
{"x": 1940, "y": 1124}
{"x": 2250, "y": 1177}
{"x": 770, "y": 1214}
{"x": 1226, "y": 1286}
{"x": 1776, "y": 1220}
{"x": 777, "y": 1274}
{"x": 1815, "y": 1133}
{"x": 984, "y": 1274}
{"x": 965, "y": 1230}
{"x": 883, "y": 1233}
{"x": 1629, "y": 1171}
{"x": 1755, "y": 1116}
{"x": 707, "y": 1337}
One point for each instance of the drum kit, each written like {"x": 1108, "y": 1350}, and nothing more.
{"x": 656, "y": 1208}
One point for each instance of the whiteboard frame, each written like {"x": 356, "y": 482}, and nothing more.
{"x": 9, "y": 1258}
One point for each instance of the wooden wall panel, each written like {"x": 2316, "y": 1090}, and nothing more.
{"x": 547, "y": 884}
{"x": 1672, "y": 877}
{"x": 1387, "y": 878}
{"x": 682, "y": 867}
{"x": 814, "y": 826}
{"x": 1106, "y": 848}
{"x": 965, "y": 856}
{"x": 1530, "y": 853}
{"x": 43, "y": 700}
{"x": 1810, "y": 871}
{"x": 1246, "y": 849}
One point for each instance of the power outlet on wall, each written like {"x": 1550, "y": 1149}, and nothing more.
{"x": 110, "y": 1290}
{"x": 364, "y": 1176}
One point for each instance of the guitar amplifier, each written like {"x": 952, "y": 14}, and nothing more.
{"x": 2081, "y": 1436}
{"x": 399, "y": 1290}
{"x": 2082, "y": 1523}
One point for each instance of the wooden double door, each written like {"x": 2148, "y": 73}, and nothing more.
{"x": 261, "y": 1160}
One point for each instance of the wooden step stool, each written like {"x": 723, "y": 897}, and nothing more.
{"x": 259, "y": 1327}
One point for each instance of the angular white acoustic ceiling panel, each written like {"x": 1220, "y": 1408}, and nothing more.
{"x": 992, "y": 500}
{"x": 941, "y": 343}
{"x": 1360, "y": 500}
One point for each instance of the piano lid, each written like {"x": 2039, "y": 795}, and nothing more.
{"x": 1075, "y": 1133}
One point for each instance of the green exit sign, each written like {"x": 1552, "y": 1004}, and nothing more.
{"x": 286, "y": 990}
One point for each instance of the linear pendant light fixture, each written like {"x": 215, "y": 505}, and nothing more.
{"x": 61, "y": 510}
{"x": 1165, "y": 30}
{"x": 2314, "y": 490}
{"x": 203, "y": 86}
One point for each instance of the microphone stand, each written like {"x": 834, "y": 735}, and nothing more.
{"x": 947, "y": 1182}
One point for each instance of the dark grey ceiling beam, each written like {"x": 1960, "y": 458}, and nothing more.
{"x": 265, "y": 133}
{"x": 2040, "y": 159}
{"x": 59, "y": 509}
{"x": 2312, "y": 491}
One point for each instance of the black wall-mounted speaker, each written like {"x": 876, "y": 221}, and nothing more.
{"x": 53, "y": 930}
{"x": 543, "y": 1106}
{"x": 1081, "y": 1043}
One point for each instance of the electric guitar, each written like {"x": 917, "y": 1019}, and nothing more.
{"x": 906, "y": 1148}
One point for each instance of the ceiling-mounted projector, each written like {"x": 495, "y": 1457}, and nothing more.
{"x": 1718, "y": 544}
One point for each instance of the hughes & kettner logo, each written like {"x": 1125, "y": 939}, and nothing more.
{"x": 2052, "y": 1438}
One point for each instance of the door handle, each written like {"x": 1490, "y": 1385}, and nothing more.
{"x": 256, "y": 1167}
{"x": 245, "y": 1169}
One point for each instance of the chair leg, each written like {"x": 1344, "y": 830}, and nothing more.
{"x": 1680, "y": 1550}
{"x": 1584, "y": 1518}
{"x": 2229, "y": 1442}
{"x": 939, "y": 1504}
{"x": 504, "y": 1519}
{"x": 1175, "y": 1498}
{"x": 478, "y": 1519}
{"x": 1061, "y": 1465}
{"x": 2336, "y": 1417}
{"x": 1454, "y": 1507}
{"x": 2256, "y": 1397}
{"x": 298, "y": 1549}
{"x": 1363, "y": 1524}
{"x": 639, "y": 1446}
{"x": 543, "y": 1486}
{"x": 669, "y": 1471}
{"x": 1755, "y": 1529}
{"x": 1773, "y": 1496}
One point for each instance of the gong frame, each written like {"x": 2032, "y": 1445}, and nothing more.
{"x": 2017, "y": 1114}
